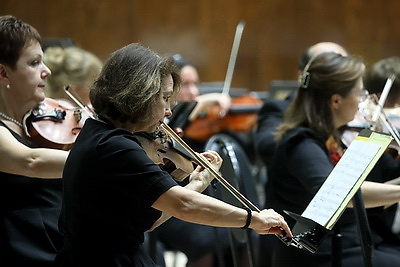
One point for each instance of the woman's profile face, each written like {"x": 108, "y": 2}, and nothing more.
{"x": 27, "y": 80}
{"x": 190, "y": 84}
{"x": 348, "y": 106}
{"x": 162, "y": 108}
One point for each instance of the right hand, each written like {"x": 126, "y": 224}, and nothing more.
{"x": 205, "y": 175}
{"x": 268, "y": 221}
{"x": 206, "y": 101}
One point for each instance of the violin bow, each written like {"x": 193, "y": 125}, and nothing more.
{"x": 207, "y": 165}
{"x": 382, "y": 98}
{"x": 79, "y": 103}
{"x": 232, "y": 59}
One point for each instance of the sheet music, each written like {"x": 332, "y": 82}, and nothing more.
{"x": 341, "y": 181}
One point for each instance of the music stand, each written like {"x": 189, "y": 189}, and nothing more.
{"x": 341, "y": 186}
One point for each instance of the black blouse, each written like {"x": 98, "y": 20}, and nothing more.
{"x": 109, "y": 186}
{"x": 29, "y": 210}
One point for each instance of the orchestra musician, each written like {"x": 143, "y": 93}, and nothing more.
{"x": 30, "y": 176}
{"x": 269, "y": 117}
{"x": 327, "y": 98}
{"x": 272, "y": 110}
{"x": 113, "y": 191}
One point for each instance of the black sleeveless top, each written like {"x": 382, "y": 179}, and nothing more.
{"x": 29, "y": 211}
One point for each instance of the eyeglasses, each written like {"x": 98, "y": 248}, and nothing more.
{"x": 363, "y": 95}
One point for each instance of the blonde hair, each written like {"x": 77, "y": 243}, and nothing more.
{"x": 70, "y": 66}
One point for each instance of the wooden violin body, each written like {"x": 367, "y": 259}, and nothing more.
{"x": 55, "y": 124}
{"x": 162, "y": 152}
{"x": 241, "y": 117}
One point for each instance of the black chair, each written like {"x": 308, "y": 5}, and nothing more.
{"x": 237, "y": 171}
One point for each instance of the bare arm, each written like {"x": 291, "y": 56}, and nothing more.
{"x": 380, "y": 194}
{"x": 32, "y": 162}
{"x": 199, "y": 180}
{"x": 194, "y": 207}
{"x": 394, "y": 181}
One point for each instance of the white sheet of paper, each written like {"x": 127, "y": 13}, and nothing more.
{"x": 340, "y": 181}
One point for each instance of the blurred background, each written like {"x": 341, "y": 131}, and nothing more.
{"x": 275, "y": 34}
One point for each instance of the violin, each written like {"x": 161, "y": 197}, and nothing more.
{"x": 161, "y": 151}
{"x": 241, "y": 117}
{"x": 54, "y": 124}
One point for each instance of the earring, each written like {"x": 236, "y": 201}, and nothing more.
{"x": 8, "y": 86}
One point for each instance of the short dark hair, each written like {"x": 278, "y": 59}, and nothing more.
{"x": 15, "y": 34}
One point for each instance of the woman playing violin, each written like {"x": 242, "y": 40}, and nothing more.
{"x": 113, "y": 192}
{"x": 327, "y": 99}
{"x": 30, "y": 176}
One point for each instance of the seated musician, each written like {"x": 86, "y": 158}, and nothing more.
{"x": 269, "y": 117}
{"x": 113, "y": 191}
{"x": 327, "y": 99}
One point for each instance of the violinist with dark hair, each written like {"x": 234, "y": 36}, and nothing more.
{"x": 113, "y": 191}
{"x": 30, "y": 175}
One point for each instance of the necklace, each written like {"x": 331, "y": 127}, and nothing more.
{"x": 11, "y": 119}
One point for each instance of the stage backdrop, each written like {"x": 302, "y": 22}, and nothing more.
{"x": 275, "y": 33}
